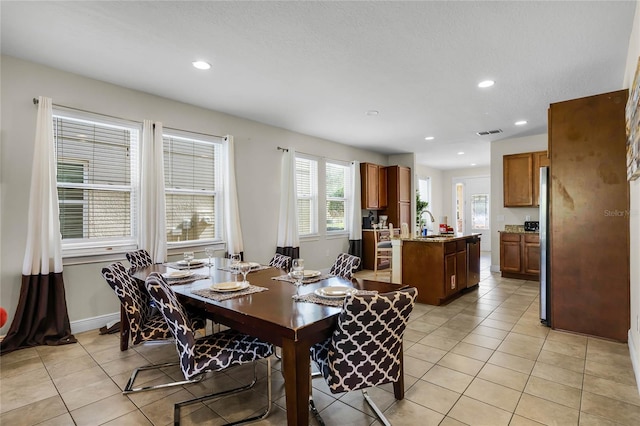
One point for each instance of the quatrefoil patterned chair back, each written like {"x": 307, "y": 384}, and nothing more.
{"x": 280, "y": 261}
{"x": 366, "y": 346}
{"x": 143, "y": 324}
{"x": 139, "y": 259}
{"x": 345, "y": 265}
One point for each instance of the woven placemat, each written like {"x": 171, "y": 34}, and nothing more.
{"x": 309, "y": 280}
{"x": 185, "y": 280}
{"x": 219, "y": 297}
{"x": 254, "y": 269}
{"x": 337, "y": 302}
{"x": 182, "y": 266}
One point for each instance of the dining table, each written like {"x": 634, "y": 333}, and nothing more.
{"x": 272, "y": 314}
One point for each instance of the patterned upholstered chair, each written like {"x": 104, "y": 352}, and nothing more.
{"x": 214, "y": 352}
{"x": 139, "y": 259}
{"x": 365, "y": 349}
{"x": 145, "y": 324}
{"x": 280, "y": 261}
{"x": 345, "y": 265}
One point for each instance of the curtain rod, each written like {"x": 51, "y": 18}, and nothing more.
{"x": 283, "y": 149}
{"x": 36, "y": 101}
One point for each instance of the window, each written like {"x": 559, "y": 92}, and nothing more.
{"x": 480, "y": 211}
{"x": 192, "y": 170}
{"x": 307, "y": 195}
{"x": 337, "y": 190}
{"x": 97, "y": 175}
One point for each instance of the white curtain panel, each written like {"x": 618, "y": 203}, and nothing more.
{"x": 43, "y": 253}
{"x": 288, "y": 219}
{"x": 355, "y": 213}
{"x": 231, "y": 211}
{"x": 153, "y": 234}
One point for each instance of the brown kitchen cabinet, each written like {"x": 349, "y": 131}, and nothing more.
{"x": 398, "y": 195}
{"x": 521, "y": 178}
{"x": 520, "y": 255}
{"x": 438, "y": 269}
{"x": 373, "y": 179}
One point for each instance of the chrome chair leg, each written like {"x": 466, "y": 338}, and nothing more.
{"x": 129, "y": 386}
{"x": 375, "y": 408}
{"x": 263, "y": 415}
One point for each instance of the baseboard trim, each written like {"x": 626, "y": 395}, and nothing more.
{"x": 634, "y": 353}
{"x": 93, "y": 323}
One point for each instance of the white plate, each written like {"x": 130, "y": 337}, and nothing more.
{"x": 334, "y": 292}
{"x": 194, "y": 262}
{"x": 229, "y": 286}
{"x": 177, "y": 275}
{"x": 308, "y": 274}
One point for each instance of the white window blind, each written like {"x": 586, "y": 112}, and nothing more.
{"x": 96, "y": 178}
{"x": 307, "y": 195}
{"x": 337, "y": 193}
{"x": 192, "y": 169}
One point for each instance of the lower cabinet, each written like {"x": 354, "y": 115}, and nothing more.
{"x": 520, "y": 255}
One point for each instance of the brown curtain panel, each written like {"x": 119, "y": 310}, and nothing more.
{"x": 292, "y": 252}
{"x": 41, "y": 316}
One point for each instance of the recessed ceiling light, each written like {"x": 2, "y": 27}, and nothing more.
{"x": 429, "y": 138}
{"x": 473, "y": 164}
{"x": 486, "y": 83}
{"x": 372, "y": 112}
{"x": 461, "y": 153}
{"x": 520, "y": 123}
{"x": 201, "y": 65}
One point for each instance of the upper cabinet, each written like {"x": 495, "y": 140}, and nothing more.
{"x": 374, "y": 186}
{"x": 521, "y": 174}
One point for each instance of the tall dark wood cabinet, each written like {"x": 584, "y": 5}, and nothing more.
{"x": 589, "y": 217}
{"x": 398, "y": 195}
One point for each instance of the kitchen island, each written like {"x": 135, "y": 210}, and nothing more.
{"x": 441, "y": 267}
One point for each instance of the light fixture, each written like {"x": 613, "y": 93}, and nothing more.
{"x": 201, "y": 65}
{"x": 473, "y": 164}
{"x": 486, "y": 83}
{"x": 520, "y": 123}
{"x": 372, "y": 112}
{"x": 460, "y": 152}
{"x": 429, "y": 138}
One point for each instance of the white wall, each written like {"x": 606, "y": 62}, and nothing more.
{"x": 257, "y": 166}
{"x": 501, "y": 215}
{"x": 634, "y": 189}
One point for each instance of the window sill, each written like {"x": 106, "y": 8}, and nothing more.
{"x": 337, "y": 234}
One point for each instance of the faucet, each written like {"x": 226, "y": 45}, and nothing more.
{"x": 430, "y": 215}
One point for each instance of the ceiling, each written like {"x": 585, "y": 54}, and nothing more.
{"x": 318, "y": 67}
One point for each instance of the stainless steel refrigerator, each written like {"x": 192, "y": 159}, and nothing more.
{"x": 545, "y": 233}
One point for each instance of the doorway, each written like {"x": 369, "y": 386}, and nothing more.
{"x": 471, "y": 199}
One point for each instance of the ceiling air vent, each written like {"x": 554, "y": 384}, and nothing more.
{"x": 489, "y": 132}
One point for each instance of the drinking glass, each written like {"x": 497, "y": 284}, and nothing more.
{"x": 209, "y": 251}
{"x": 244, "y": 268}
{"x": 188, "y": 256}
{"x": 235, "y": 259}
{"x": 297, "y": 272}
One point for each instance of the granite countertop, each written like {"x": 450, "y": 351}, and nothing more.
{"x": 440, "y": 238}
{"x": 517, "y": 229}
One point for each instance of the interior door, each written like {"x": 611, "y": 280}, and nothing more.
{"x": 475, "y": 206}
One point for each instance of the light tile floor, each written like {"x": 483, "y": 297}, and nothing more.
{"x": 483, "y": 359}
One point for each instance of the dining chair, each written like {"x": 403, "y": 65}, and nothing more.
{"x": 139, "y": 259}
{"x": 345, "y": 265}
{"x": 145, "y": 324}
{"x": 356, "y": 357}
{"x": 210, "y": 353}
{"x": 280, "y": 261}
{"x": 382, "y": 244}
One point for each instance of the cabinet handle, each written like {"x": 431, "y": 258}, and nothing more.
{"x": 453, "y": 282}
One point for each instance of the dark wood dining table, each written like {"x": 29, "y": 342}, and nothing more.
{"x": 274, "y": 317}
